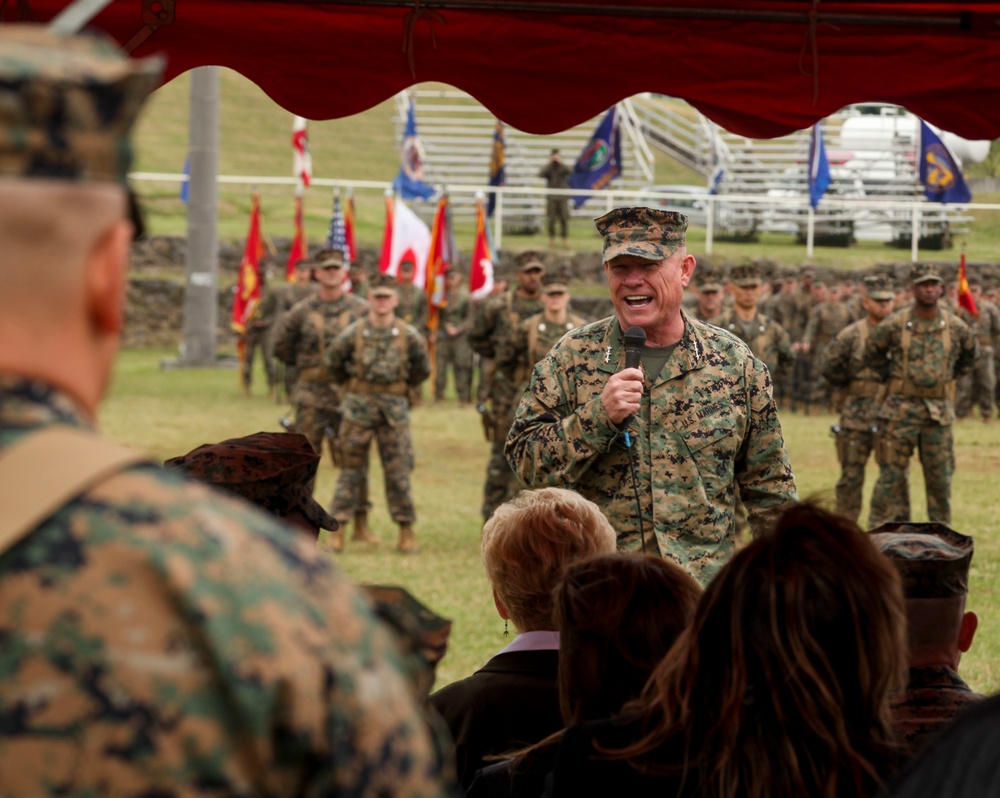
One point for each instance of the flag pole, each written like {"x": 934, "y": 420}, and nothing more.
{"x": 810, "y": 232}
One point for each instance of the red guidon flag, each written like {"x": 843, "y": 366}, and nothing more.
{"x": 352, "y": 248}
{"x": 440, "y": 258}
{"x": 481, "y": 268}
{"x": 965, "y": 298}
{"x": 247, "y": 291}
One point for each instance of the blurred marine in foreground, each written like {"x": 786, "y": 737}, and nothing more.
{"x": 161, "y": 638}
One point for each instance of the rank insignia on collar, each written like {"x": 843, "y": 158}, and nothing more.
{"x": 607, "y": 354}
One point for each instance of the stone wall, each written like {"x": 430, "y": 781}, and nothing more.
{"x": 154, "y": 312}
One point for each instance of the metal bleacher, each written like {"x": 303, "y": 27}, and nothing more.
{"x": 457, "y": 133}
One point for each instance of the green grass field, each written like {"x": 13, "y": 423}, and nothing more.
{"x": 255, "y": 139}
{"x": 170, "y": 412}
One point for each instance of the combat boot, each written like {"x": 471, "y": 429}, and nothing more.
{"x": 362, "y": 532}
{"x": 407, "y": 542}
{"x": 335, "y": 540}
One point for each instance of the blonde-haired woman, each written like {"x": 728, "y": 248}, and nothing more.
{"x": 513, "y": 700}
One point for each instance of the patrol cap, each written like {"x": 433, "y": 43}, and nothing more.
{"x": 925, "y": 273}
{"x": 329, "y": 258}
{"x": 644, "y": 232}
{"x": 383, "y": 284}
{"x": 878, "y": 286}
{"x": 932, "y": 559}
{"x": 708, "y": 278}
{"x": 69, "y": 104}
{"x": 557, "y": 283}
{"x": 745, "y": 275}
{"x": 530, "y": 260}
{"x": 274, "y": 470}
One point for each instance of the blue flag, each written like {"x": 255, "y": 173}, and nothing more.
{"x": 409, "y": 183}
{"x": 336, "y": 237}
{"x": 186, "y": 182}
{"x": 819, "y": 167}
{"x": 939, "y": 171}
{"x": 601, "y": 160}
{"x": 498, "y": 167}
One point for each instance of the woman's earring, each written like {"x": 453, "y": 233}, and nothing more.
{"x": 506, "y": 633}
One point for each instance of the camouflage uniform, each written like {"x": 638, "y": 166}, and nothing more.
{"x": 258, "y": 336}
{"x": 412, "y": 307}
{"x": 556, "y": 175}
{"x": 285, "y": 297}
{"x": 917, "y": 412}
{"x": 766, "y": 339}
{"x": 977, "y": 387}
{"x": 707, "y": 424}
{"x": 498, "y": 320}
{"x": 455, "y": 351}
{"x": 825, "y": 322}
{"x": 377, "y": 366}
{"x": 162, "y": 638}
{"x": 933, "y": 562}
{"x": 531, "y": 341}
{"x": 857, "y": 431}
{"x": 304, "y": 336}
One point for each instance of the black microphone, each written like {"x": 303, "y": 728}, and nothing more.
{"x": 635, "y": 340}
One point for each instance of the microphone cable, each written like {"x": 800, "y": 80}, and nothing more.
{"x": 634, "y": 340}
{"x": 635, "y": 488}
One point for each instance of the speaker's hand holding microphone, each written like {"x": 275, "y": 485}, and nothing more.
{"x": 622, "y": 395}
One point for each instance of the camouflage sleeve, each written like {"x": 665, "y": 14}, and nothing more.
{"x": 339, "y": 356}
{"x": 968, "y": 350}
{"x": 481, "y": 336}
{"x": 511, "y": 348}
{"x": 812, "y": 325}
{"x": 268, "y": 307}
{"x": 994, "y": 312}
{"x": 876, "y": 355}
{"x": 286, "y": 339}
{"x": 763, "y": 472}
{"x": 419, "y": 366}
{"x": 786, "y": 357}
{"x": 553, "y": 440}
{"x": 837, "y": 369}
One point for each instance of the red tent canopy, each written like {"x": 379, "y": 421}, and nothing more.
{"x": 759, "y": 68}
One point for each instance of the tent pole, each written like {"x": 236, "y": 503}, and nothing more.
{"x": 76, "y": 15}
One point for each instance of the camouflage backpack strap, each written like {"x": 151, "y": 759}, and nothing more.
{"x": 403, "y": 345}
{"x": 46, "y": 469}
{"x": 317, "y": 320}
{"x": 359, "y": 343}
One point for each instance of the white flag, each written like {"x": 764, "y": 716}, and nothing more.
{"x": 302, "y": 165}
{"x": 411, "y": 240}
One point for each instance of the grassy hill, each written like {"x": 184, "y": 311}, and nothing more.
{"x": 255, "y": 139}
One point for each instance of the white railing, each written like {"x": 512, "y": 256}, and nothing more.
{"x": 918, "y": 211}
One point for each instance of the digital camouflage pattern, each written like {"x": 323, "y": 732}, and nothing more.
{"x": 825, "y": 321}
{"x": 932, "y": 559}
{"x": 518, "y": 353}
{"x": 707, "y": 424}
{"x": 274, "y": 470}
{"x": 977, "y": 387}
{"x": 412, "y": 307}
{"x": 69, "y": 105}
{"x": 162, "y": 638}
{"x": 918, "y": 411}
{"x": 377, "y": 366}
{"x": 494, "y": 325}
{"x": 304, "y": 335}
{"x": 454, "y": 349}
{"x": 934, "y": 697}
{"x": 853, "y": 381}
{"x": 643, "y": 232}
{"x": 765, "y": 337}
{"x": 285, "y": 297}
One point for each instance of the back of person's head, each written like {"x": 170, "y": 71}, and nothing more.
{"x": 617, "y": 615}
{"x": 933, "y": 562}
{"x": 530, "y": 539}
{"x": 781, "y": 685}
{"x": 65, "y": 149}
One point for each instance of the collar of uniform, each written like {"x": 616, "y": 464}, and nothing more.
{"x": 27, "y": 404}
{"x": 688, "y": 355}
